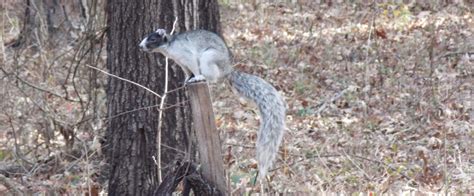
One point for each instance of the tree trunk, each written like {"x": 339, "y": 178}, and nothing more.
{"x": 50, "y": 22}
{"x": 130, "y": 143}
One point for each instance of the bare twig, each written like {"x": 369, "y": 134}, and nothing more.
{"x": 366, "y": 67}
{"x": 123, "y": 79}
{"x": 46, "y": 111}
{"x": 174, "y": 26}
{"x": 74, "y": 73}
{"x": 11, "y": 185}
{"x": 305, "y": 158}
{"x": 240, "y": 145}
{"x": 88, "y": 172}
{"x": 380, "y": 163}
{"x": 332, "y": 99}
{"x": 37, "y": 87}
{"x": 17, "y": 150}
{"x": 144, "y": 108}
{"x": 356, "y": 165}
{"x": 445, "y": 161}
{"x": 160, "y": 114}
{"x": 107, "y": 118}
{"x": 2, "y": 41}
{"x": 447, "y": 54}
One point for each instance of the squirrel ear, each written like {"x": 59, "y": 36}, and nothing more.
{"x": 161, "y": 32}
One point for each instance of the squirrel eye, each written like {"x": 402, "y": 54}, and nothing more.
{"x": 153, "y": 37}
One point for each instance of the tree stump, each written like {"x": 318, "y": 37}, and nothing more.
{"x": 208, "y": 142}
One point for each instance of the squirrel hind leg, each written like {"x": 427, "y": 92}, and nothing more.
{"x": 211, "y": 71}
{"x": 212, "y": 65}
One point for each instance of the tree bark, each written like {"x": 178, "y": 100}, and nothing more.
{"x": 130, "y": 140}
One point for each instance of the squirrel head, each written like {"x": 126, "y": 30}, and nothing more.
{"x": 153, "y": 41}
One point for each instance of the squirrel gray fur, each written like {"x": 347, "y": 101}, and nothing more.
{"x": 205, "y": 55}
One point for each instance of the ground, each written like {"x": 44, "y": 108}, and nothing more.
{"x": 380, "y": 97}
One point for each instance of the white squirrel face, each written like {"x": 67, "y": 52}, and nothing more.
{"x": 153, "y": 41}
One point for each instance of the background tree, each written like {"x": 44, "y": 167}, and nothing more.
{"x": 131, "y": 139}
{"x": 47, "y": 21}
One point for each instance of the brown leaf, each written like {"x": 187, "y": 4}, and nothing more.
{"x": 381, "y": 33}
{"x": 228, "y": 157}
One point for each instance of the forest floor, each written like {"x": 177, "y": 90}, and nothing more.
{"x": 379, "y": 100}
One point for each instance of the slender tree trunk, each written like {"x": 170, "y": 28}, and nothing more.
{"x": 130, "y": 143}
{"x": 50, "y": 22}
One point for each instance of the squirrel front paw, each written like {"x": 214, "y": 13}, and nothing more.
{"x": 197, "y": 78}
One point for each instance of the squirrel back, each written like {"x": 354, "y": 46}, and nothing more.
{"x": 202, "y": 40}
{"x": 272, "y": 109}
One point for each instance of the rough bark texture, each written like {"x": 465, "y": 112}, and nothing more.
{"x": 130, "y": 141}
{"x": 193, "y": 180}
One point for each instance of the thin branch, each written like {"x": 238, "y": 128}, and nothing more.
{"x": 176, "y": 89}
{"x": 37, "y": 87}
{"x": 46, "y": 110}
{"x": 160, "y": 115}
{"x": 380, "y": 163}
{"x": 305, "y": 158}
{"x": 106, "y": 118}
{"x": 17, "y": 150}
{"x": 2, "y": 41}
{"x": 160, "y": 121}
{"x": 123, "y": 79}
{"x": 175, "y": 149}
{"x": 447, "y": 54}
{"x": 356, "y": 165}
{"x": 11, "y": 185}
{"x": 332, "y": 99}
{"x": 174, "y": 26}
{"x": 74, "y": 73}
{"x": 144, "y": 108}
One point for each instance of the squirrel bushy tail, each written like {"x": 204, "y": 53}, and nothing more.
{"x": 272, "y": 115}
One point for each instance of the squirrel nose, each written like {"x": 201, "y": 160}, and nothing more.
{"x": 142, "y": 45}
